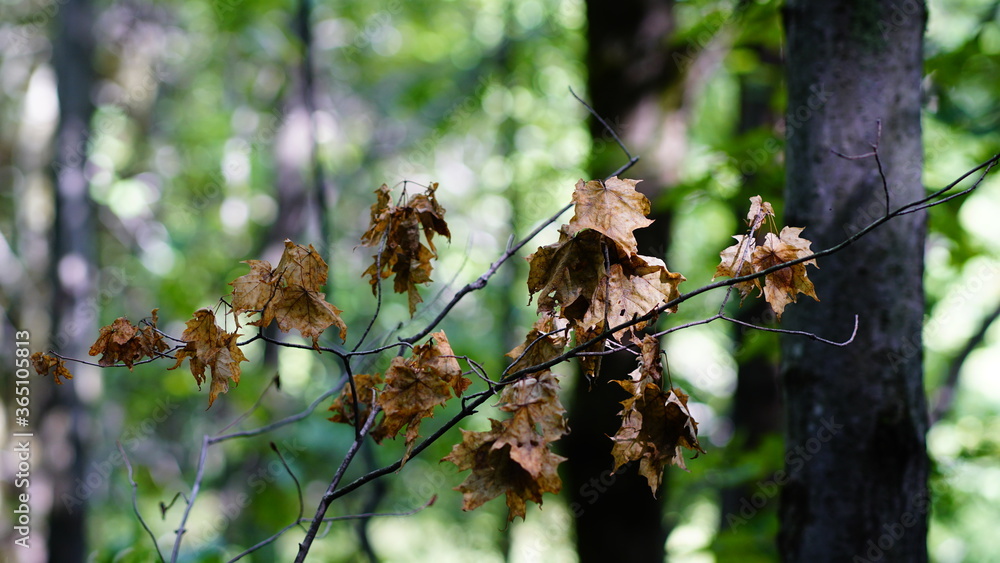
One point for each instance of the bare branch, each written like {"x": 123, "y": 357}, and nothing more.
{"x": 946, "y": 394}
{"x": 299, "y": 521}
{"x": 195, "y": 487}
{"x": 279, "y": 423}
{"x": 328, "y": 497}
{"x": 135, "y": 502}
{"x": 631, "y": 159}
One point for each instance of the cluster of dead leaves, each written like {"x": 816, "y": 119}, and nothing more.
{"x": 407, "y": 393}
{"x": 591, "y": 280}
{"x": 656, "y": 424}
{"x": 120, "y": 341}
{"x": 288, "y": 293}
{"x": 594, "y": 276}
{"x": 395, "y": 231}
{"x": 515, "y": 457}
{"x": 748, "y": 256}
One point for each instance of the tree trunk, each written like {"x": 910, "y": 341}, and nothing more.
{"x": 635, "y": 85}
{"x": 74, "y": 316}
{"x": 856, "y": 483}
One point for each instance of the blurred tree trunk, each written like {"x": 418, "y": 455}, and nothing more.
{"x": 634, "y": 85}
{"x": 74, "y": 272}
{"x": 856, "y": 416}
{"x": 756, "y": 404}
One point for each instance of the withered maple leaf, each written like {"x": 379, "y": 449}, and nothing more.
{"x": 395, "y": 231}
{"x": 431, "y": 215}
{"x": 253, "y": 291}
{"x": 737, "y": 260}
{"x": 590, "y": 365}
{"x": 308, "y": 312}
{"x": 208, "y": 346}
{"x": 46, "y": 363}
{"x": 783, "y": 286}
{"x": 288, "y": 293}
{"x": 545, "y": 341}
{"x": 759, "y": 211}
{"x": 656, "y": 424}
{"x": 566, "y": 274}
{"x": 632, "y": 290}
{"x": 301, "y": 266}
{"x": 414, "y": 386}
{"x": 611, "y": 207}
{"x": 536, "y": 397}
{"x": 343, "y": 405}
{"x": 510, "y": 459}
{"x": 121, "y": 341}
{"x": 747, "y": 257}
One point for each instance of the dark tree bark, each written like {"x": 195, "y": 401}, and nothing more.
{"x": 635, "y": 85}
{"x": 856, "y": 416}
{"x": 73, "y": 314}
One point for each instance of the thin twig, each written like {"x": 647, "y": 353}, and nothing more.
{"x": 279, "y": 423}
{"x": 247, "y": 413}
{"x": 195, "y": 487}
{"x": 809, "y": 335}
{"x": 878, "y": 161}
{"x": 298, "y": 487}
{"x": 946, "y": 394}
{"x": 135, "y": 502}
{"x": 324, "y": 503}
{"x": 328, "y": 519}
{"x": 631, "y": 159}
{"x": 165, "y": 507}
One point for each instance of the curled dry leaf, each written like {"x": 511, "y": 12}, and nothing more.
{"x": 594, "y": 277}
{"x": 545, "y": 341}
{"x": 515, "y": 457}
{"x": 343, "y": 405}
{"x": 746, "y": 257}
{"x": 208, "y": 346}
{"x": 121, "y": 341}
{"x": 656, "y": 424}
{"x": 509, "y": 459}
{"x": 613, "y": 208}
{"x": 395, "y": 231}
{"x": 289, "y": 293}
{"x": 414, "y": 386}
{"x": 47, "y": 363}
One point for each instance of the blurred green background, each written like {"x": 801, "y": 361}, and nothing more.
{"x": 211, "y": 128}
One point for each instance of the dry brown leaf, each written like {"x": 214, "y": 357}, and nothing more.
{"x": 611, "y": 207}
{"x": 121, "y": 341}
{"x": 566, "y": 274}
{"x": 783, "y": 286}
{"x": 656, "y": 425}
{"x": 414, "y": 386}
{"x": 46, "y": 363}
{"x": 252, "y": 292}
{"x": 395, "y": 231}
{"x": 540, "y": 345}
{"x": 736, "y": 262}
{"x": 208, "y": 346}
{"x": 537, "y": 398}
{"x": 747, "y": 257}
{"x": 343, "y": 405}
{"x": 626, "y": 295}
{"x": 509, "y": 459}
{"x": 289, "y": 293}
{"x": 308, "y": 312}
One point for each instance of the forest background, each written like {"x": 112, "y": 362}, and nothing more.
{"x": 214, "y": 130}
